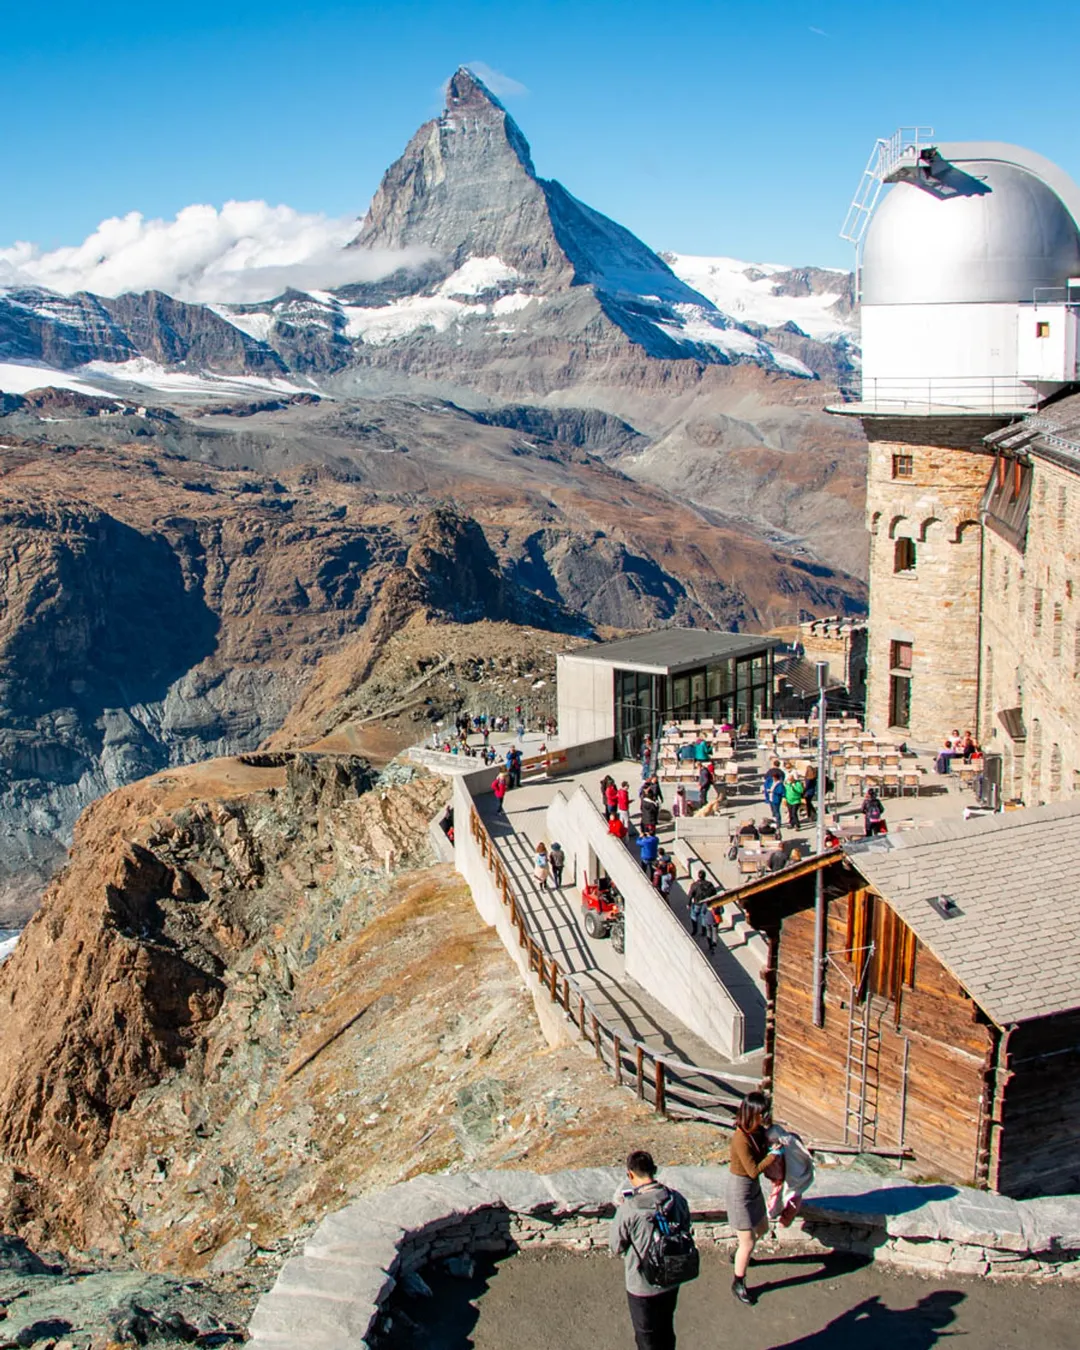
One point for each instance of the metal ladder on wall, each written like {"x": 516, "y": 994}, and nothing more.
{"x": 863, "y": 1056}
{"x": 861, "y": 1086}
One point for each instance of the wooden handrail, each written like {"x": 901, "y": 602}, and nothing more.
{"x": 667, "y": 1094}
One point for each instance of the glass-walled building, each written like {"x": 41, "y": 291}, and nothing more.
{"x": 629, "y": 688}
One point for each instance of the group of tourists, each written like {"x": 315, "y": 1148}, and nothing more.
{"x": 956, "y": 747}
{"x": 785, "y": 786}
{"x": 658, "y": 863}
{"x": 508, "y": 777}
{"x": 652, "y": 1230}
{"x": 548, "y": 863}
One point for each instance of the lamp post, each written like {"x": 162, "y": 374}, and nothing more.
{"x": 819, "y": 879}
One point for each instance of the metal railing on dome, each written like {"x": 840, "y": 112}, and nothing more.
{"x": 949, "y": 393}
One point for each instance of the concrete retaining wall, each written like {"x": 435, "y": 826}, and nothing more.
{"x": 333, "y": 1292}
{"x": 469, "y": 862}
{"x": 660, "y": 954}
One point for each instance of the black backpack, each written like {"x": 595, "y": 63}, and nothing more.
{"x": 672, "y": 1256}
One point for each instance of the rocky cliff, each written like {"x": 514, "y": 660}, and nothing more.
{"x": 228, "y": 1018}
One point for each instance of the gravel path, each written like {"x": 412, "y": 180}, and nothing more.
{"x": 561, "y": 1301}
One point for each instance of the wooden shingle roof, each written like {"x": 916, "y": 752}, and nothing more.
{"x": 1015, "y": 943}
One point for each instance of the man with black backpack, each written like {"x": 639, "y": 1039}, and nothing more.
{"x": 651, "y": 1230}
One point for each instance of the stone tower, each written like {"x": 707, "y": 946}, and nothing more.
{"x": 970, "y": 284}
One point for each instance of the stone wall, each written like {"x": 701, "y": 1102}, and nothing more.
{"x": 1031, "y": 642}
{"x": 934, "y": 605}
{"x": 334, "y": 1291}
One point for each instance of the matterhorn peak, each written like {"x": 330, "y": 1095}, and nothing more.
{"x": 466, "y": 91}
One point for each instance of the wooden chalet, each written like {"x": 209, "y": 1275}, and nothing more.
{"x": 952, "y": 999}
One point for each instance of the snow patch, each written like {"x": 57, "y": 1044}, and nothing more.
{"x": 258, "y": 325}
{"x": 477, "y": 275}
{"x": 707, "y": 327}
{"x": 145, "y": 372}
{"x": 438, "y": 312}
{"x": 16, "y": 378}
{"x": 745, "y": 291}
{"x": 8, "y": 942}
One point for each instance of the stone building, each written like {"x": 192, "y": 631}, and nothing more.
{"x": 970, "y": 293}
{"x": 1029, "y": 640}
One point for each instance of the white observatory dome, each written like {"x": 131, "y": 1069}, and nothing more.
{"x": 982, "y": 232}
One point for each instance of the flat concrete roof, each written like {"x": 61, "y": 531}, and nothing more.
{"x": 667, "y": 651}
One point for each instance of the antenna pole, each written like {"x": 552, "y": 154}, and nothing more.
{"x": 819, "y": 880}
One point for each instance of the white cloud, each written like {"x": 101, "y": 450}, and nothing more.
{"x": 504, "y": 86}
{"x": 244, "y": 251}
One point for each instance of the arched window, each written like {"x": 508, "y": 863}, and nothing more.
{"x": 1055, "y": 770}
{"x": 1035, "y": 773}
{"x": 988, "y": 694}
{"x": 904, "y": 555}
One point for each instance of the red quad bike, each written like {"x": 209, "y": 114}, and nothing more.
{"x": 602, "y": 907}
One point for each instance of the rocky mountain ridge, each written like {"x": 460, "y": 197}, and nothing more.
{"x": 165, "y": 599}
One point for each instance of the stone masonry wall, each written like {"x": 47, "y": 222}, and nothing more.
{"x": 1031, "y": 642}
{"x": 334, "y": 1292}
{"x": 934, "y": 606}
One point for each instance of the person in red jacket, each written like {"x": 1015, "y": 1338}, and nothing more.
{"x": 611, "y": 799}
{"x": 499, "y": 787}
{"x": 622, "y": 803}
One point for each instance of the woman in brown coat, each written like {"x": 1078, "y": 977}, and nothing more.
{"x": 751, "y": 1154}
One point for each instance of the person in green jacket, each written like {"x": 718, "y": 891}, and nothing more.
{"x": 793, "y": 795}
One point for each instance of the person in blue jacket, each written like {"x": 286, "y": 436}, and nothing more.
{"x": 774, "y": 795}
{"x": 648, "y": 848}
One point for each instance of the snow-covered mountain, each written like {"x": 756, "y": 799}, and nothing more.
{"x": 818, "y": 300}
{"x": 504, "y": 267}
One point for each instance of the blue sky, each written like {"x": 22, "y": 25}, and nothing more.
{"x": 704, "y": 127}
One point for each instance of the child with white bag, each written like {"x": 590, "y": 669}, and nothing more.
{"x": 792, "y": 1174}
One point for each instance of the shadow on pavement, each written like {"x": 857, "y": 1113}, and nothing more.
{"x": 891, "y": 1199}
{"x": 446, "y": 1319}
{"x": 872, "y": 1323}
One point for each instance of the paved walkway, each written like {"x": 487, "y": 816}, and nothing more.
{"x": 556, "y": 917}
{"x": 562, "y": 1301}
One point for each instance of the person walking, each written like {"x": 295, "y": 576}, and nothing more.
{"x": 540, "y": 865}
{"x": 701, "y": 891}
{"x": 793, "y": 795}
{"x": 809, "y": 796}
{"x": 646, "y": 758}
{"x": 751, "y": 1154}
{"x": 705, "y": 779}
{"x": 622, "y": 802}
{"x": 774, "y": 795}
{"x": 710, "y": 922}
{"x": 650, "y": 803}
{"x": 648, "y": 849}
{"x": 652, "y": 1307}
{"x": 556, "y": 861}
{"x": 499, "y": 788}
{"x": 873, "y": 811}
{"x": 611, "y": 799}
